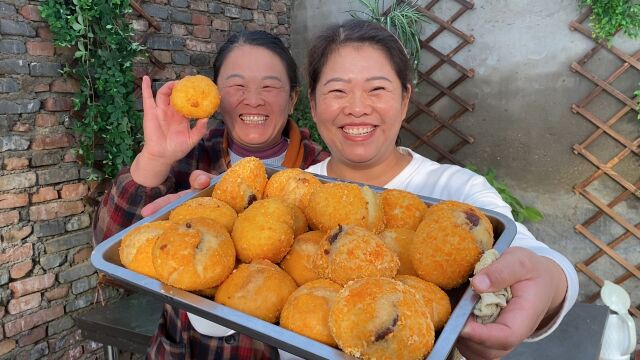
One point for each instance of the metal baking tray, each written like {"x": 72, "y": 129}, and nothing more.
{"x": 105, "y": 258}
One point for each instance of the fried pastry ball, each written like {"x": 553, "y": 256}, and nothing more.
{"x": 242, "y": 184}
{"x": 299, "y": 261}
{"x": 399, "y": 241}
{"x": 264, "y": 231}
{"x": 445, "y": 248}
{"x": 307, "y": 310}
{"x": 334, "y": 204}
{"x": 208, "y": 207}
{"x": 195, "y": 97}
{"x": 259, "y": 289}
{"x": 402, "y": 209}
{"x": 350, "y": 252}
{"x": 380, "y": 318}
{"x": 477, "y": 222}
{"x": 293, "y": 185}
{"x": 195, "y": 254}
{"x": 300, "y": 224}
{"x": 435, "y": 299}
{"x": 136, "y": 247}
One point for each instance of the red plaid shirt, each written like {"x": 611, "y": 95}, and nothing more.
{"x": 120, "y": 207}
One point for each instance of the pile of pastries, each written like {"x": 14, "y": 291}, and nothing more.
{"x": 337, "y": 262}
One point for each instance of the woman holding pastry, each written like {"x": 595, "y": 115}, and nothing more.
{"x": 359, "y": 89}
{"x": 258, "y": 85}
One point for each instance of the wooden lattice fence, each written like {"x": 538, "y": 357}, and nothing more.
{"x": 610, "y": 167}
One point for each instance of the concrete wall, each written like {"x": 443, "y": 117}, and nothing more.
{"x": 522, "y": 123}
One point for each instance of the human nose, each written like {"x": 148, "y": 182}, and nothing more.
{"x": 358, "y": 105}
{"x": 253, "y": 97}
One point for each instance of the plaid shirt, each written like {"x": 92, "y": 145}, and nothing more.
{"x": 120, "y": 207}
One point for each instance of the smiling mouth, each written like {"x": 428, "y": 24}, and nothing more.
{"x": 358, "y": 130}
{"x": 253, "y": 119}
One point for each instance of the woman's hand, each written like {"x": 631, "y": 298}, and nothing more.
{"x": 198, "y": 181}
{"x": 538, "y": 286}
{"x": 168, "y": 136}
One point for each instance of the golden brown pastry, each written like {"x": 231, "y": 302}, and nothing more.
{"x": 300, "y": 225}
{"x": 208, "y": 207}
{"x": 299, "y": 261}
{"x": 194, "y": 255}
{"x": 350, "y": 252}
{"x": 195, "y": 97}
{"x": 307, "y": 310}
{"x": 293, "y": 185}
{"x": 136, "y": 247}
{"x": 446, "y": 248}
{"x": 399, "y": 241}
{"x": 242, "y": 184}
{"x": 264, "y": 231}
{"x": 381, "y": 318}
{"x": 259, "y": 289}
{"x": 402, "y": 209}
{"x": 435, "y": 299}
{"x": 334, "y": 204}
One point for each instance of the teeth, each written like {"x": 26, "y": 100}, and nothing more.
{"x": 253, "y": 119}
{"x": 358, "y": 130}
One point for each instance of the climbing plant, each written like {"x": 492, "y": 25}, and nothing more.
{"x": 610, "y": 16}
{"x": 103, "y": 60}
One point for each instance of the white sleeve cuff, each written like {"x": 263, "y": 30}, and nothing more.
{"x": 570, "y": 296}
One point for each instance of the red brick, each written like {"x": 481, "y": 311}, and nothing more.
{"x": 73, "y": 191}
{"x": 41, "y": 88}
{"x": 253, "y": 27}
{"x": 32, "y": 336}
{"x": 16, "y": 253}
{"x": 64, "y": 85}
{"x": 220, "y": 24}
{"x": 68, "y": 51}
{"x": 21, "y": 127}
{"x": 32, "y": 284}
{"x": 44, "y": 194}
{"x": 195, "y": 45}
{"x": 24, "y": 303}
{"x": 82, "y": 255}
{"x": 166, "y": 74}
{"x": 74, "y": 353}
{"x": 278, "y": 7}
{"x": 55, "y": 210}
{"x": 202, "y": 32}
{"x": 198, "y": 5}
{"x": 54, "y": 141}
{"x": 281, "y": 30}
{"x": 16, "y": 163}
{"x": 6, "y": 346}
{"x": 9, "y": 217}
{"x": 17, "y": 235}
{"x": 32, "y": 320}
{"x": 44, "y": 33}
{"x": 199, "y": 19}
{"x": 30, "y": 12}
{"x": 9, "y": 201}
{"x": 21, "y": 269}
{"x": 57, "y": 293}
{"x": 38, "y": 48}
{"x": 46, "y": 120}
{"x": 59, "y": 103}
{"x": 70, "y": 156}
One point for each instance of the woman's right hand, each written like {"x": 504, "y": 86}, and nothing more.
{"x": 168, "y": 136}
{"x": 198, "y": 180}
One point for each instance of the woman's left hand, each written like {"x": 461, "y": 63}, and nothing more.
{"x": 538, "y": 286}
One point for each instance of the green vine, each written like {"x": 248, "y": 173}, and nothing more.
{"x": 302, "y": 116}
{"x": 521, "y": 212}
{"x": 610, "y": 16}
{"x": 103, "y": 65}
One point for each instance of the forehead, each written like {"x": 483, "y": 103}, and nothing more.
{"x": 252, "y": 61}
{"x": 358, "y": 60}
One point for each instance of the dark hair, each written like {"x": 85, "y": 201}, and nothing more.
{"x": 356, "y": 31}
{"x": 262, "y": 39}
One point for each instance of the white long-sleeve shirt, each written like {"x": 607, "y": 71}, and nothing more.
{"x": 451, "y": 182}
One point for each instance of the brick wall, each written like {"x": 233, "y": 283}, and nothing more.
{"x": 45, "y": 275}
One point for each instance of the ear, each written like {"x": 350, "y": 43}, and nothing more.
{"x": 406, "y": 96}
{"x": 293, "y": 98}
{"x": 312, "y": 105}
